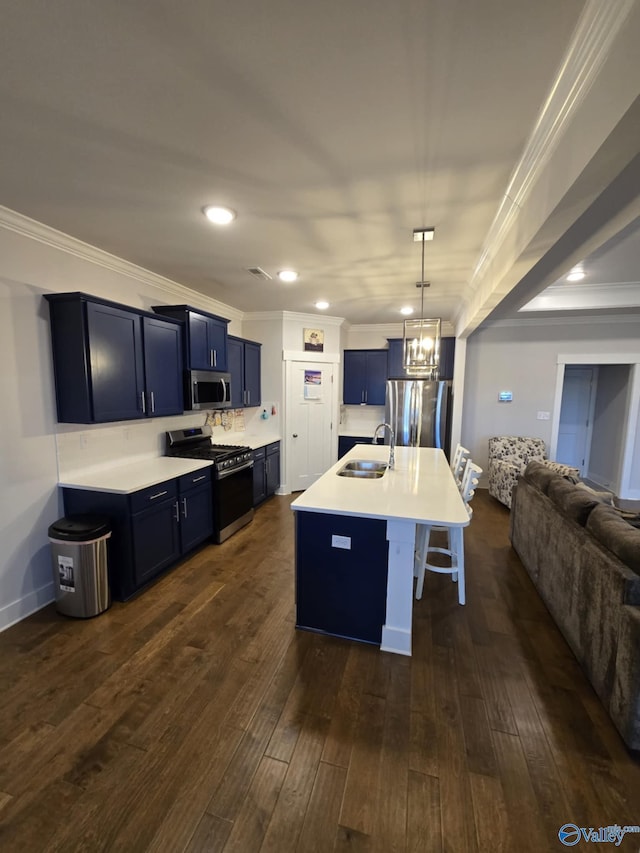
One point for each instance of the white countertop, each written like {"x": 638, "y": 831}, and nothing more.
{"x": 420, "y": 488}
{"x": 125, "y": 479}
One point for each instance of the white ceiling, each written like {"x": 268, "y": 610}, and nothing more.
{"x": 333, "y": 129}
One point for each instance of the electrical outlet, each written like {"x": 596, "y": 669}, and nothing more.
{"x": 544, "y": 416}
{"x": 341, "y": 542}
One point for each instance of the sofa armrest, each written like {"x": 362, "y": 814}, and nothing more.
{"x": 502, "y": 478}
{"x": 624, "y": 706}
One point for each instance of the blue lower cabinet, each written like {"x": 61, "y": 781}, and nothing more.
{"x": 341, "y": 591}
{"x": 266, "y": 471}
{"x": 346, "y": 442}
{"x": 152, "y": 529}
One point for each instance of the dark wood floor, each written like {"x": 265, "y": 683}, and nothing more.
{"x": 196, "y": 718}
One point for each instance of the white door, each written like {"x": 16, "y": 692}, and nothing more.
{"x": 575, "y": 417}
{"x": 310, "y": 405}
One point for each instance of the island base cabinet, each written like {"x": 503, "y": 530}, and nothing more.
{"x": 341, "y": 590}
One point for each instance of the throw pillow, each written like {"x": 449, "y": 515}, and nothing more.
{"x": 604, "y": 496}
{"x": 573, "y": 502}
{"x": 612, "y": 531}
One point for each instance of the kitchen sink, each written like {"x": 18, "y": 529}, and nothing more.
{"x": 363, "y": 469}
{"x": 361, "y": 475}
{"x": 366, "y": 465}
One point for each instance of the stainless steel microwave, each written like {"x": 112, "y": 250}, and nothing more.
{"x": 207, "y": 389}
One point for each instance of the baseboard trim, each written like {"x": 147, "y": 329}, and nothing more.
{"x": 18, "y": 610}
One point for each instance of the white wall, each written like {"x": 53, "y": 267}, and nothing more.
{"x": 33, "y": 261}
{"x": 523, "y": 357}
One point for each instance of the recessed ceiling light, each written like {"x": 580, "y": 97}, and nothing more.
{"x": 219, "y": 215}
{"x": 322, "y": 305}
{"x": 288, "y": 275}
{"x": 576, "y": 275}
{"x": 406, "y": 310}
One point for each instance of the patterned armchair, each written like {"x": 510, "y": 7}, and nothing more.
{"x": 509, "y": 455}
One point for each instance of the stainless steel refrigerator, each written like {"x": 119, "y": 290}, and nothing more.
{"x": 419, "y": 412}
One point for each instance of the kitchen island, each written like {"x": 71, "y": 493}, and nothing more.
{"x": 355, "y": 543}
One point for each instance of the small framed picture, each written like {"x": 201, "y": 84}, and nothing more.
{"x": 313, "y": 340}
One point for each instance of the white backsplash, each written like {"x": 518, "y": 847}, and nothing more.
{"x": 84, "y": 447}
{"x": 360, "y": 420}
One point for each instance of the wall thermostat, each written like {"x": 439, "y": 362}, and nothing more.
{"x": 505, "y": 397}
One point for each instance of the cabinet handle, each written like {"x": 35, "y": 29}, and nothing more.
{"x": 213, "y": 358}
{"x": 184, "y": 507}
{"x": 177, "y": 509}
{"x": 248, "y": 398}
{"x": 366, "y": 396}
{"x": 159, "y": 495}
{"x": 197, "y": 479}
{"x": 144, "y": 403}
{"x": 153, "y": 403}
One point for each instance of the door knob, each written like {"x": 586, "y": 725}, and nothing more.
{"x": 295, "y": 435}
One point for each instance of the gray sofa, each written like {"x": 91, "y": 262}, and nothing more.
{"x": 584, "y": 558}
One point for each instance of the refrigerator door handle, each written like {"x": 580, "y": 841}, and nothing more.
{"x": 439, "y": 413}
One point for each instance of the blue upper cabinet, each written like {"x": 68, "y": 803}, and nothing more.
{"x": 365, "y": 377}
{"x": 244, "y": 361}
{"x": 252, "y": 384}
{"x": 111, "y": 362}
{"x": 205, "y": 341}
{"x": 163, "y": 366}
{"x": 396, "y": 357}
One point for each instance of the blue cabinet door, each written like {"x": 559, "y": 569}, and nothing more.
{"x": 252, "y": 383}
{"x": 355, "y": 377}
{"x": 163, "y": 367}
{"x": 259, "y": 476}
{"x": 235, "y": 364}
{"x": 207, "y": 342}
{"x": 365, "y": 377}
{"x": 376, "y": 377}
{"x": 116, "y": 357}
{"x": 272, "y": 473}
{"x": 196, "y": 516}
{"x": 155, "y": 540}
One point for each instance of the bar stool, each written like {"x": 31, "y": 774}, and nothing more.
{"x": 455, "y": 540}
{"x": 458, "y": 462}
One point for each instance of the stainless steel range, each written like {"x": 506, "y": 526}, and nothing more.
{"x": 232, "y": 476}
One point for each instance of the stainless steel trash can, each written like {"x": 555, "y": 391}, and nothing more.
{"x": 80, "y": 566}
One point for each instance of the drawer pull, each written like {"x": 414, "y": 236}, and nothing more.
{"x": 197, "y": 479}
{"x": 159, "y": 495}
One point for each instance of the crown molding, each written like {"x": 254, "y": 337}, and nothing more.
{"x": 591, "y": 43}
{"x": 315, "y": 319}
{"x": 395, "y": 330}
{"x": 574, "y": 320}
{"x": 16, "y": 222}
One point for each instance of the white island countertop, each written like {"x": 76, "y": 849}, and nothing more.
{"x": 125, "y": 479}
{"x": 420, "y": 489}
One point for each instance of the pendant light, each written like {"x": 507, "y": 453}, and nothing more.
{"x": 422, "y": 337}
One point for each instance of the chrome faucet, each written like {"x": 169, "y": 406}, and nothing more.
{"x": 392, "y": 442}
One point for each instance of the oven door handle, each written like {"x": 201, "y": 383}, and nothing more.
{"x": 222, "y": 475}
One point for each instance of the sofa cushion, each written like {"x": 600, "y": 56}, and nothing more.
{"x": 575, "y": 503}
{"x": 602, "y": 495}
{"x": 616, "y": 534}
{"x": 540, "y": 475}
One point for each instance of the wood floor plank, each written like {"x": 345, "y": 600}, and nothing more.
{"x": 424, "y": 824}
{"x": 288, "y": 815}
{"x": 210, "y": 836}
{"x": 257, "y": 808}
{"x": 318, "y": 832}
{"x": 490, "y": 815}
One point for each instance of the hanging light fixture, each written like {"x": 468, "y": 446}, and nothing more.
{"x": 422, "y": 337}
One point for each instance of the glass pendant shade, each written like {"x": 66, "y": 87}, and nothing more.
{"x": 422, "y": 348}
